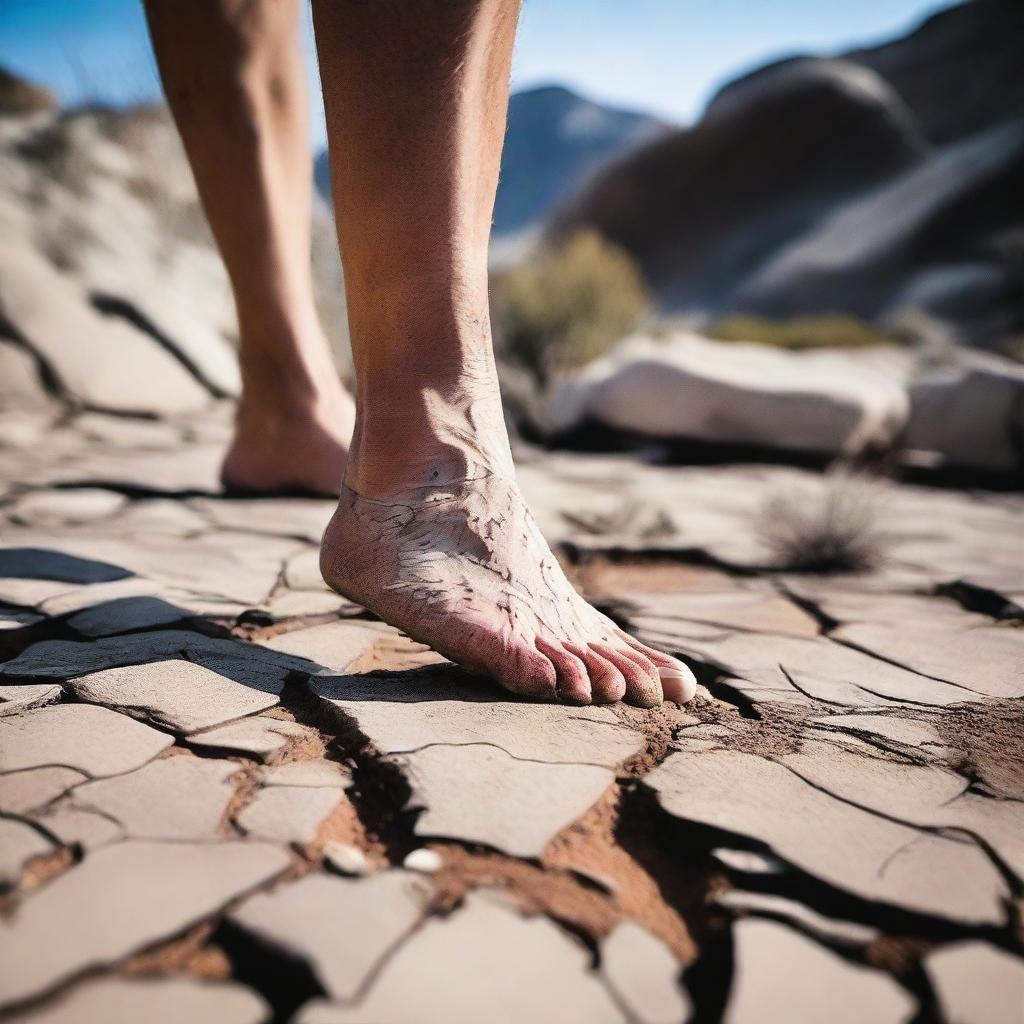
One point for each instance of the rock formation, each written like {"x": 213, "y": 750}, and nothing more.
{"x": 876, "y": 182}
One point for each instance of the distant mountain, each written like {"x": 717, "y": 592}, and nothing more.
{"x": 882, "y": 180}
{"x": 555, "y": 141}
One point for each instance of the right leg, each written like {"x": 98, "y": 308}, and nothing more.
{"x": 431, "y": 532}
{"x": 233, "y": 74}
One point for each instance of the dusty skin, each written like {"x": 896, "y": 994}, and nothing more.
{"x": 464, "y": 568}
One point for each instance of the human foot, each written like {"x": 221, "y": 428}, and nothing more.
{"x": 463, "y": 567}
{"x": 294, "y": 445}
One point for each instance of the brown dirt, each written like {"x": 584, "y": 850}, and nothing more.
{"x": 989, "y": 736}
{"x": 590, "y": 846}
{"x": 45, "y": 867}
{"x": 246, "y": 783}
{"x": 176, "y": 750}
{"x": 537, "y": 891}
{"x": 191, "y": 953}
{"x": 779, "y": 731}
{"x": 379, "y": 791}
{"x": 601, "y": 577}
{"x": 660, "y": 725}
{"x": 897, "y": 954}
{"x": 584, "y": 879}
{"x": 280, "y": 712}
{"x": 343, "y": 825}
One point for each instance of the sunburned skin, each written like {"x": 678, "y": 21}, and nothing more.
{"x": 463, "y": 567}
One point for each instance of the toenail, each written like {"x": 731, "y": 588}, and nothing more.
{"x": 679, "y": 686}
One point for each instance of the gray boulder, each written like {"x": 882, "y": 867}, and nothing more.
{"x": 881, "y": 180}
{"x": 872, "y": 248}
{"x": 687, "y": 387}
{"x": 701, "y": 209}
{"x": 105, "y": 364}
{"x": 969, "y": 413}
{"x": 105, "y": 198}
{"x": 958, "y": 71}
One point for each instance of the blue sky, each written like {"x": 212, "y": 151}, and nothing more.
{"x": 662, "y": 56}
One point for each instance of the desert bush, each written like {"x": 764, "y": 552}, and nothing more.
{"x": 833, "y": 530}
{"x": 568, "y": 305}
{"x": 826, "y": 330}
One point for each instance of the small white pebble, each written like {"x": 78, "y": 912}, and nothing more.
{"x": 347, "y": 859}
{"x": 748, "y": 861}
{"x": 424, "y": 860}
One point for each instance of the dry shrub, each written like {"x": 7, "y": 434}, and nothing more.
{"x": 833, "y": 530}
{"x": 568, "y": 305}
{"x": 826, "y": 330}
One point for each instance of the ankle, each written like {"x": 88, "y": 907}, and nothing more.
{"x": 268, "y": 411}
{"x": 378, "y": 472}
{"x": 285, "y": 354}
{"x": 414, "y": 437}
{"x": 291, "y": 380}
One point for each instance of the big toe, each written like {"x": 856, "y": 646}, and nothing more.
{"x": 678, "y": 682}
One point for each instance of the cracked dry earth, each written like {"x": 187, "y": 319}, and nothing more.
{"x": 230, "y": 795}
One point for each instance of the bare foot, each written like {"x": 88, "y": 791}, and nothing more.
{"x": 298, "y": 445}
{"x": 464, "y": 568}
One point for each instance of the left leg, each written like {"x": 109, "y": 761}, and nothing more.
{"x": 235, "y": 82}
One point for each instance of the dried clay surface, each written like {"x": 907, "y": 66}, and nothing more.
{"x": 227, "y": 794}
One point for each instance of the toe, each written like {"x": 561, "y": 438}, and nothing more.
{"x": 678, "y": 688}
{"x": 643, "y": 684}
{"x": 678, "y": 682}
{"x": 522, "y": 669}
{"x": 607, "y": 683}
{"x": 572, "y": 682}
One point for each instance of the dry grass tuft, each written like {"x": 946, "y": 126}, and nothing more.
{"x": 826, "y": 330}
{"x": 832, "y": 531}
{"x": 568, "y": 305}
